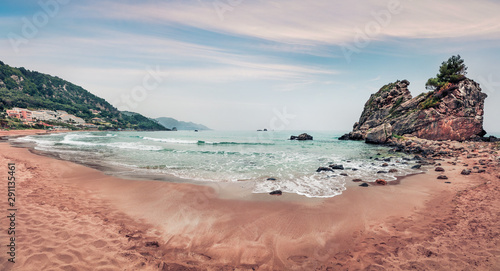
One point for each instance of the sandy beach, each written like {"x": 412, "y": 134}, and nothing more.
{"x": 71, "y": 217}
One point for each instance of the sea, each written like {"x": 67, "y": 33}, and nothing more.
{"x": 268, "y": 161}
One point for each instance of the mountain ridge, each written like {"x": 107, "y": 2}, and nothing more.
{"x": 170, "y": 123}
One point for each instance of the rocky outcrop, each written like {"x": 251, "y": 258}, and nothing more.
{"x": 303, "y": 136}
{"x": 454, "y": 112}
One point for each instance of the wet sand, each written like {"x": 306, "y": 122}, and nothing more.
{"x": 71, "y": 217}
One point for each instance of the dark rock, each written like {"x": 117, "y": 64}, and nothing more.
{"x": 354, "y": 169}
{"x": 465, "y": 172}
{"x": 337, "y": 166}
{"x": 324, "y": 169}
{"x": 381, "y": 172}
{"x": 447, "y": 182}
{"x": 385, "y": 165}
{"x": 344, "y": 137}
{"x": 442, "y": 177}
{"x": 387, "y": 159}
{"x": 357, "y": 180}
{"x": 302, "y": 137}
{"x": 364, "y": 185}
{"x": 343, "y": 174}
{"x": 276, "y": 193}
{"x": 481, "y": 171}
{"x": 152, "y": 244}
{"x": 392, "y": 170}
{"x": 271, "y": 179}
{"x": 416, "y": 166}
{"x": 381, "y": 181}
{"x": 439, "y": 169}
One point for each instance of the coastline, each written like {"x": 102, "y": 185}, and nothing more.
{"x": 93, "y": 220}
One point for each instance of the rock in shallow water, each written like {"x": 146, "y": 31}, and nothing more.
{"x": 335, "y": 166}
{"x": 276, "y": 193}
{"x": 301, "y": 137}
{"x": 324, "y": 169}
{"x": 381, "y": 181}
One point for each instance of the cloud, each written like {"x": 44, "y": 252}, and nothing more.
{"x": 322, "y": 22}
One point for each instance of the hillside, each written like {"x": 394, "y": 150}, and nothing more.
{"x": 180, "y": 125}
{"x": 23, "y": 88}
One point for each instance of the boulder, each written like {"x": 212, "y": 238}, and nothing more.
{"x": 442, "y": 177}
{"x": 466, "y": 172}
{"x": 302, "y": 137}
{"x": 379, "y": 134}
{"x": 439, "y": 169}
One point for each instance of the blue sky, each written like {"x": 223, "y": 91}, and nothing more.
{"x": 240, "y": 64}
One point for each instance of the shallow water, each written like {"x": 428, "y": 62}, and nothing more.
{"x": 222, "y": 156}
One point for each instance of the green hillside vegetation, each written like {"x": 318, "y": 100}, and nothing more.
{"x": 23, "y": 88}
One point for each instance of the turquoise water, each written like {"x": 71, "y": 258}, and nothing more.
{"x": 221, "y": 156}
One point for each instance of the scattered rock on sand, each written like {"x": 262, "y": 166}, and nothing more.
{"x": 439, "y": 169}
{"x": 442, "y": 177}
{"x": 465, "y": 172}
{"x": 276, "y": 193}
{"x": 152, "y": 244}
{"x": 364, "y": 185}
{"x": 381, "y": 181}
{"x": 324, "y": 169}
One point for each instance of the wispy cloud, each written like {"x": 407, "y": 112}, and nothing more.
{"x": 318, "y": 22}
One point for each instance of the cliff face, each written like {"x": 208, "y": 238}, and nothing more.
{"x": 454, "y": 112}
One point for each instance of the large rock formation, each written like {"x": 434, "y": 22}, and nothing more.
{"x": 453, "y": 112}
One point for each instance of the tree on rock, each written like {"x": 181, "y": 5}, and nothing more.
{"x": 451, "y": 71}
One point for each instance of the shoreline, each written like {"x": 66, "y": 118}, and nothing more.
{"x": 197, "y": 229}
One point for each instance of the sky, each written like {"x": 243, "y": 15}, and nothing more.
{"x": 253, "y": 64}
